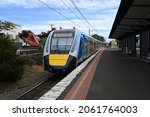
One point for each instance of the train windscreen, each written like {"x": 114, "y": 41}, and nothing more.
{"x": 61, "y": 42}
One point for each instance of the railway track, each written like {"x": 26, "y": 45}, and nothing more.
{"x": 40, "y": 89}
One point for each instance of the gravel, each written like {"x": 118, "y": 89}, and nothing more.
{"x": 33, "y": 75}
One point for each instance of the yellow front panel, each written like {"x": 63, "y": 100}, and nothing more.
{"x": 58, "y": 59}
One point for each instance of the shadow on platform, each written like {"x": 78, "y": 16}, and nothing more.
{"x": 120, "y": 77}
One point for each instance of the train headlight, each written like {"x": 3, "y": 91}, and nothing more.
{"x": 64, "y": 70}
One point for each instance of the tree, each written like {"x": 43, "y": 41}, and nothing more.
{"x": 110, "y": 43}
{"x": 98, "y": 37}
{"x": 11, "y": 65}
{"x": 44, "y": 36}
{"x": 24, "y": 34}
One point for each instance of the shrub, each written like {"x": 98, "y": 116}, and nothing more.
{"x": 38, "y": 58}
{"x": 11, "y": 65}
{"x": 35, "y": 59}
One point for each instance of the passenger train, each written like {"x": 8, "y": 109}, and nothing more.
{"x": 65, "y": 49}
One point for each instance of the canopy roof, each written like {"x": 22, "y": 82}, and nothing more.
{"x": 133, "y": 16}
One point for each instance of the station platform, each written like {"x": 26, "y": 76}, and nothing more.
{"x": 111, "y": 75}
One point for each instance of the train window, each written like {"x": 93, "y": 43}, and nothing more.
{"x": 63, "y": 34}
{"x": 61, "y": 43}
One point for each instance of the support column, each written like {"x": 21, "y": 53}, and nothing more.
{"x": 122, "y": 44}
{"x": 145, "y": 44}
{"x": 131, "y": 44}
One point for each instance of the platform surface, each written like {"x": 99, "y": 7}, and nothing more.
{"x": 119, "y": 76}
{"x": 112, "y": 75}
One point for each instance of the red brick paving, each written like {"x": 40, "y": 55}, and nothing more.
{"x": 81, "y": 87}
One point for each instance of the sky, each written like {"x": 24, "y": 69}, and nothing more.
{"x": 35, "y": 16}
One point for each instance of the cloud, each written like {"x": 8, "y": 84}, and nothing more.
{"x": 25, "y": 3}
{"x": 35, "y": 16}
{"x": 97, "y": 4}
{"x": 37, "y": 29}
{"x": 102, "y": 27}
{"x": 85, "y": 4}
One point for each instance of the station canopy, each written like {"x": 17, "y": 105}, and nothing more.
{"x": 132, "y": 17}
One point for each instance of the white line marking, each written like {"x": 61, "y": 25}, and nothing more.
{"x": 56, "y": 91}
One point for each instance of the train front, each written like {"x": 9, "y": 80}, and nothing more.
{"x": 57, "y": 51}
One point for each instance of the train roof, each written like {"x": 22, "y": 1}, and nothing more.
{"x": 64, "y": 30}
{"x": 76, "y": 30}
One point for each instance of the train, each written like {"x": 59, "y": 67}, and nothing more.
{"x": 65, "y": 49}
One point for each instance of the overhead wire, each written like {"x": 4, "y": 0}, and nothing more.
{"x": 71, "y": 10}
{"x": 82, "y": 14}
{"x": 59, "y": 13}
